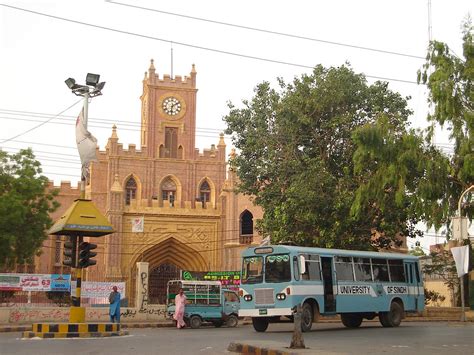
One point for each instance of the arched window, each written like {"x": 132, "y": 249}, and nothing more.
{"x": 130, "y": 190}
{"x": 204, "y": 193}
{"x": 246, "y": 227}
{"x": 168, "y": 191}
{"x": 171, "y": 142}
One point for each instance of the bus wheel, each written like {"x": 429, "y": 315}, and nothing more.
{"x": 306, "y": 318}
{"x": 232, "y": 321}
{"x": 195, "y": 322}
{"x": 260, "y": 324}
{"x": 392, "y": 318}
{"x": 351, "y": 320}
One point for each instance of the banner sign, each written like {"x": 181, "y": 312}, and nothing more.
{"x": 34, "y": 282}
{"x": 228, "y": 279}
{"x": 92, "y": 289}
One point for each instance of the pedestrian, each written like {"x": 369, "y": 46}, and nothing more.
{"x": 180, "y": 303}
{"x": 114, "y": 300}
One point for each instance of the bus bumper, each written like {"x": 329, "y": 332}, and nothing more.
{"x": 265, "y": 312}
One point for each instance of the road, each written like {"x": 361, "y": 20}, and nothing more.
{"x": 328, "y": 338}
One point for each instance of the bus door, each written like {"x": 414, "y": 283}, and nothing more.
{"x": 328, "y": 281}
{"x": 413, "y": 281}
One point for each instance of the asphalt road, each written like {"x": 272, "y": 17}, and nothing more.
{"x": 328, "y": 338}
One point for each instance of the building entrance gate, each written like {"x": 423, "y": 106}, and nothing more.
{"x": 158, "y": 279}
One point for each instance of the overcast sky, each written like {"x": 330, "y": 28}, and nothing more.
{"x": 37, "y": 53}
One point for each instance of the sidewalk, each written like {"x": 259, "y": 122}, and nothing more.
{"x": 167, "y": 323}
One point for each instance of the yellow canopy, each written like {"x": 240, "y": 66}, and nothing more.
{"x": 82, "y": 219}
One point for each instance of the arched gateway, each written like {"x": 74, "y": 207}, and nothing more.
{"x": 166, "y": 260}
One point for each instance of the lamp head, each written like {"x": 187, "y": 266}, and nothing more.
{"x": 70, "y": 82}
{"x": 92, "y": 79}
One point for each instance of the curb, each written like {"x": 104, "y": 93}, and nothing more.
{"x": 17, "y": 328}
{"x": 249, "y": 349}
{"x": 50, "y": 335}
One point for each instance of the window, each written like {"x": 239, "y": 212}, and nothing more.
{"x": 231, "y": 296}
{"x": 204, "y": 193}
{"x": 313, "y": 267}
{"x": 344, "y": 269}
{"x": 397, "y": 273}
{"x": 362, "y": 269}
{"x": 130, "y": 190}
{"x": 252, "y": 270}
{"x": 246, "y": 227}
{"x": 277, "y": 268}
{"x": 168, "y": 191}
{"x": 171, "y": 142}
{"x": 380, "y": 269}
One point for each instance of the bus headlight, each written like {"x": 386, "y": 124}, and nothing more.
{"x": 248, "y": 298}
{"x": 280, "y": 296}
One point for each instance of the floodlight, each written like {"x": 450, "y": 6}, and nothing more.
{"x": 100, "y": 86}
{"x": 92, "y": 79}
{"x": 70, "y": 82}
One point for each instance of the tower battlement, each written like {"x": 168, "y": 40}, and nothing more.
{"x": 152, "y": 78}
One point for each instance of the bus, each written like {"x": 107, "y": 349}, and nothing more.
{"x": 356, "y": 285}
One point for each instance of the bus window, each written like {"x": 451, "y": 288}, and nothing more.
{"x": 380, "y": 269}
{"x": 417, "y": 273}
{"x": 344, "y": 271}
{"x": 252, "y": 270}
{"x": 277, "y": 268}
{"x": 296, "y": 269}
{"x": 313, "y": 268}
{"x": 397, "y": 273}
{"x": 362, "y": 269}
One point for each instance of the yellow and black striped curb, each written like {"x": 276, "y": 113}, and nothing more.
{"x": 49, "y": 335}
{"x": 75, "y": 327}
{"x": 249, "y": 349}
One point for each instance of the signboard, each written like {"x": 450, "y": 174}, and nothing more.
{"x": 92, "y": 289}
{"x": 138, "y": 224}
{"x": 229, "y": 279}
{"x": 34, "y": 282}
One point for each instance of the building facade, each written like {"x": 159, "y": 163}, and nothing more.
{"x": 170, "y": 204}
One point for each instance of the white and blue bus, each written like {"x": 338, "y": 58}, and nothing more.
{"x": 353, "y": 284}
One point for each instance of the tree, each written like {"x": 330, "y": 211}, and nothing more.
{"x": 296, "y": 157}
{"x": 406, "y": 170}
{"x": 450, "y": 83}
{"x": 25, "y": 204}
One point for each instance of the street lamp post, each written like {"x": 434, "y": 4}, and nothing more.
{"x": 461, "y": 226}
{"x": 91, "y": 89}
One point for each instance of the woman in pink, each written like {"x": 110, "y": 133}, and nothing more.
{"x": 180, "y": 303}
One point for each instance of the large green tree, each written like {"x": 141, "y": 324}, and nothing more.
{"x": 25, "y": 204}
{"x": 407, "y": 171}
{"x": 296, "y": 158}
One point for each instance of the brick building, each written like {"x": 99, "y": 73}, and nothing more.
{"x": 182, "y": 198}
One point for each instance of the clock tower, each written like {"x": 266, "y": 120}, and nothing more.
{"x": 168, "y": 124}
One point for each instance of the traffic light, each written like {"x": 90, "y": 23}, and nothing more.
{"x": 70, "y": 253}
{"x": 86, "y": 255}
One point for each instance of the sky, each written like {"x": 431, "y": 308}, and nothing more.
{"x": 43, "y": 42}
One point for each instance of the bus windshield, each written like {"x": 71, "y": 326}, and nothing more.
{"x": 252, "y": 270}
{"x": 277, "y": 268}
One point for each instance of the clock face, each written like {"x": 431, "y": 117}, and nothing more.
{"x": 171, "y": 106}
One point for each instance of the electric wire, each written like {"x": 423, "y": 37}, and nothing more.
{"x": 251, "y": 57}
{"x": 266, "y": 31}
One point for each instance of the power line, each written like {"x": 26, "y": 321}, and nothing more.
{"x": 266, "y": 31}
{"x": 191, "y": 45}
{"x": 41, "y": 124}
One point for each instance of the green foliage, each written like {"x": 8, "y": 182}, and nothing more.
{"x": 442, "y": 265}
{"x": 25, "y": 205}
{"x": 296, "y": 158}
{"x": 451, "y": 93}
{"x": 433, "y": 297}
{"x": 417, "y": 251}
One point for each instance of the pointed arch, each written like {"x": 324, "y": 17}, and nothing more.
{"x": 132, "y": 188}
{"x": 206, "y": 192}
{"x": 170, "y": 189}
{"x": 246, "y": 227}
